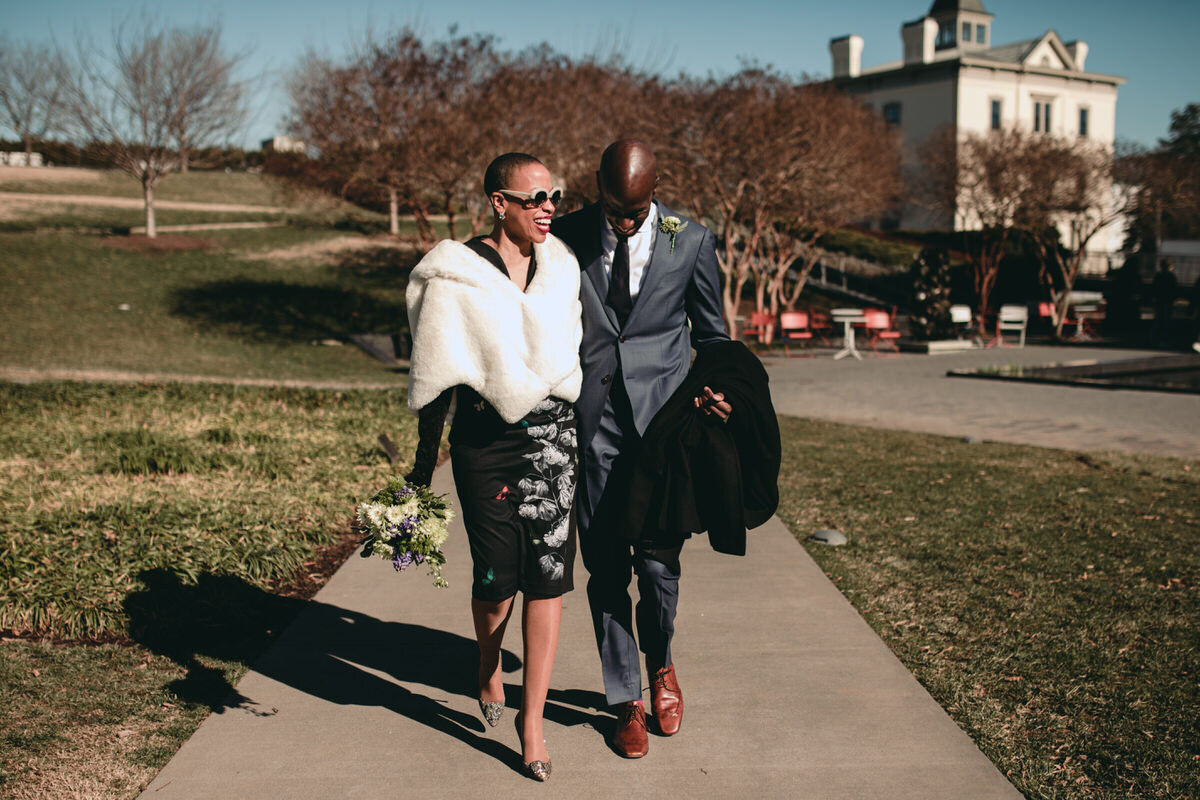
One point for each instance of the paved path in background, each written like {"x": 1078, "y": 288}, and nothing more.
{"x": 25, "y": 375}
{"x": 912, "y": 392}
{"x": 906, "y": 392}
{"x": 38, "y": 198}
{"x": 788, "y": 694}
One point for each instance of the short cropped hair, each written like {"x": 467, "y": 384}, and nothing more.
{"x": 499, "y": 173}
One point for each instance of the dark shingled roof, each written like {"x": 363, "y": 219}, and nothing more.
{"x": 1013, "y": 53}
{"x": 949, "y": 6}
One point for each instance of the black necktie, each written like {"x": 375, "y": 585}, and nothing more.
{"x": 618, "y": 285}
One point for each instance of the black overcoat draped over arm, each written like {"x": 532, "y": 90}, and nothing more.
{"x": 693, "y": 472}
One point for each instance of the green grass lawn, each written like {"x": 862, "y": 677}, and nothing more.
{"x": 233, "y": 310}
{"x": 179, "y": 523}
{"x": 1048, "y": 600}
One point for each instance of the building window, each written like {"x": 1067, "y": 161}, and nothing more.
{"x": 891, "y": 112}
{"x": 1041, "y": 116}
{"x": 1083, "y": 121}
{"x": 981, "y": 34}
{"x": 966, "y": 34}
{"x": 996, "y": 106}
{"x": 945, "y": 37}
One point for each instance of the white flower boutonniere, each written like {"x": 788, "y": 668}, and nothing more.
{"x": 672, "y": 226}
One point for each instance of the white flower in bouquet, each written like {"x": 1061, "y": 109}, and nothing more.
{"x": 406, "y": 525}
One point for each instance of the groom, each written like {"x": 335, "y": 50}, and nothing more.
{"x": 647, "y": 273}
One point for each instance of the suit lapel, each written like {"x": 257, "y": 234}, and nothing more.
{"x": 658, "y": 263}
{"x": 591, "y": 257}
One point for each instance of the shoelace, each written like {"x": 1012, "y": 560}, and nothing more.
{"x": 630, "y": 714}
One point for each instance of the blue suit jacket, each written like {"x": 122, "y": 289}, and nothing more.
{"x": 654, "y": 350}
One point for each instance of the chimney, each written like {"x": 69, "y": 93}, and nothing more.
{"x": 919, "y": 38}
{"x": 847, "y": 56}
{"x": 1078, "y": 51}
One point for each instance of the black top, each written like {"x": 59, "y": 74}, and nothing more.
{"x": 481, "y": 248}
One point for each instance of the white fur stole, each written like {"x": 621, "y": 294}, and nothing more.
{"x": 471, "y": 325}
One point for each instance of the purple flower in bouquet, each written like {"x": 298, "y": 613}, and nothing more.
{"x": 406, "y": 525}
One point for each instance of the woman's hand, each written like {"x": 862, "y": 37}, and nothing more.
{"x": 418, "y": 478}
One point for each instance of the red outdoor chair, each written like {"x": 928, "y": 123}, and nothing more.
{"x": 1048, "y": 311}
{"x": 879, "y": 327}
{"x": 820, "y": 324}
{"x": 760, "y": 322}
{"x": 793, "y": 326}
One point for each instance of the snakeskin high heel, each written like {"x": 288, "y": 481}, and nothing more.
{"x": 538, "y": 770}
{"x": 491, "y": 712}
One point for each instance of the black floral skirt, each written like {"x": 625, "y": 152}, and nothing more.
{"x": 516, "y": 491}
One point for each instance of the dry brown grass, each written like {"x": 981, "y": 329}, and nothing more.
{"x": 92, "y": 763}
{"x": 168, "y": 243}
{"x": 53, "y": 175}
{"x": 330, "y": 250}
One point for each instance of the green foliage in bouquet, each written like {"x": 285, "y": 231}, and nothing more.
{"x": 406, "y": 525}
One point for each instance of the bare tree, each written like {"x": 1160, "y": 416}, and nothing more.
{"x": 1168, "y": 183}
{"x": 726, "y": 185}
{"x": 607, "y": 99}
{"x": 359, "y": 122}
{"x": 212, "y": 101}
{"x": 130, "y": 102}
{"x": 452, "y": 138}
{"x": 981, "y": 181}
{"x": 32, "y": 80}
{"x": 1072, "y": 197}
{"x": 401, "y": 117}
{"x": 848, "y": 171}
{"x": 772, "y": 165}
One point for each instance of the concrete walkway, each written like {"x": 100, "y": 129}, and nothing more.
{"x": 789, "y": 694}
{"x": 912, "y": 392}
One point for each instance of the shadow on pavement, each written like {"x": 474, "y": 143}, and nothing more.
{"x": 331, "y": 653}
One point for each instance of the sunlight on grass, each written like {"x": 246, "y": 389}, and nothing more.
{"x": 1047, "y": 600}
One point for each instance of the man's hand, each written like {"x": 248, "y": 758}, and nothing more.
{"x": 713, "y": 404}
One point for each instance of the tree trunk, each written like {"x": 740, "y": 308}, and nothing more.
{"x": 28, "y": 150}
{"x": 393, "y": 212}
{"x": 183, "y": 159}
{"x": 148, "y": 197}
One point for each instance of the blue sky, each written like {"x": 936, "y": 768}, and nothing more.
{"x": 1150, "y": 43}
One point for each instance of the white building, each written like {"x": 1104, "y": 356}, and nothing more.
{"x": 21, "y": 159}
{"x": 283, "y": 144}
{"x": 952, "y": 74}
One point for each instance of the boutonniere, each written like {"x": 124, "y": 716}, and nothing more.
{"x": 672, "y": 226}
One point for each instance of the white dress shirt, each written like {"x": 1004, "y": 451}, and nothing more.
{"x": 639, "y": 249}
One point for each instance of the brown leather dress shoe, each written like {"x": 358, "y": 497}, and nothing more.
{"x": 666, "y": 699}
{"x": 630, "y": 739}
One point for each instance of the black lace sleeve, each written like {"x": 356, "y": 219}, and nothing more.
{"x": 430, "y": 422}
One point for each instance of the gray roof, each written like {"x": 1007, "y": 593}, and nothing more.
{"x": 950, "y": 6}
{"x": 1013, "y": 53}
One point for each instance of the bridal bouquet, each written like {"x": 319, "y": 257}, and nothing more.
{"x": 407, "y": 525}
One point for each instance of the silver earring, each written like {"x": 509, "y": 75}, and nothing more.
{"x": 500, "y": 215}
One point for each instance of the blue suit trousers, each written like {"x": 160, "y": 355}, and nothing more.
{"x": 611, "y": 559}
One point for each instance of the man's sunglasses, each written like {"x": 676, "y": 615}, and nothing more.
{"x": 536, "y": 197}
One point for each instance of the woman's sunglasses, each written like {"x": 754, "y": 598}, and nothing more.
{"x": 536, "y": 197}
